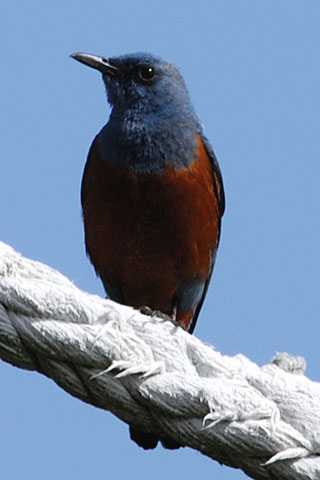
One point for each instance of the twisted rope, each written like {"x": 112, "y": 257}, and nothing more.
{"x": 151, "y": 373}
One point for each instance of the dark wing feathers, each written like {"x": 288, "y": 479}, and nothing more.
{"x": 217, "y": 183}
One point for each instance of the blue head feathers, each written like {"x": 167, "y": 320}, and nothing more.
{"x": 152, "y": 122}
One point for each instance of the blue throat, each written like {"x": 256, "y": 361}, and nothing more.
{"x": 148, "y": 141}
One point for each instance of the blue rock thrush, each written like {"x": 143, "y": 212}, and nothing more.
{"x": 152, "y": 195}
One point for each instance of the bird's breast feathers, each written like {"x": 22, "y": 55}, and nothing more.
{"x": 138, "y": 216}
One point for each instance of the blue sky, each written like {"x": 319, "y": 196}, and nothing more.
{"x": 253, "y": 72}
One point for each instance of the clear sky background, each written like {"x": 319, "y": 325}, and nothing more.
{"x": 252, "y": 68}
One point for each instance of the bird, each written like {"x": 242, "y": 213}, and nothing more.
{"x": 152, "y": 195}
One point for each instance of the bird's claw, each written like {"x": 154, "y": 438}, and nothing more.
{"x": 156, "y": 313}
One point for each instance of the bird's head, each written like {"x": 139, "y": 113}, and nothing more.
{"x": 141, "y": 81}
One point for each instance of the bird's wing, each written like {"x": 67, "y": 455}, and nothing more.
{"x": 217, "y": 184}
{"x": 216, "y": 173}
{"x": 87, "y": 170}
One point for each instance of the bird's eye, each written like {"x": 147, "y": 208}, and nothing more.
{"x": 146, "y": 73}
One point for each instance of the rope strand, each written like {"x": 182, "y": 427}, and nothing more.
{"x": 149, "y": 372}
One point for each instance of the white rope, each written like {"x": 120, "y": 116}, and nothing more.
{"x": 149, "y": 372}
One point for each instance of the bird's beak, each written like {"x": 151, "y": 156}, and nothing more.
{"x": 99, "y": 63}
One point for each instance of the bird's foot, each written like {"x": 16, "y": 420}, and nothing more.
{"x": 156, "y": 313}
